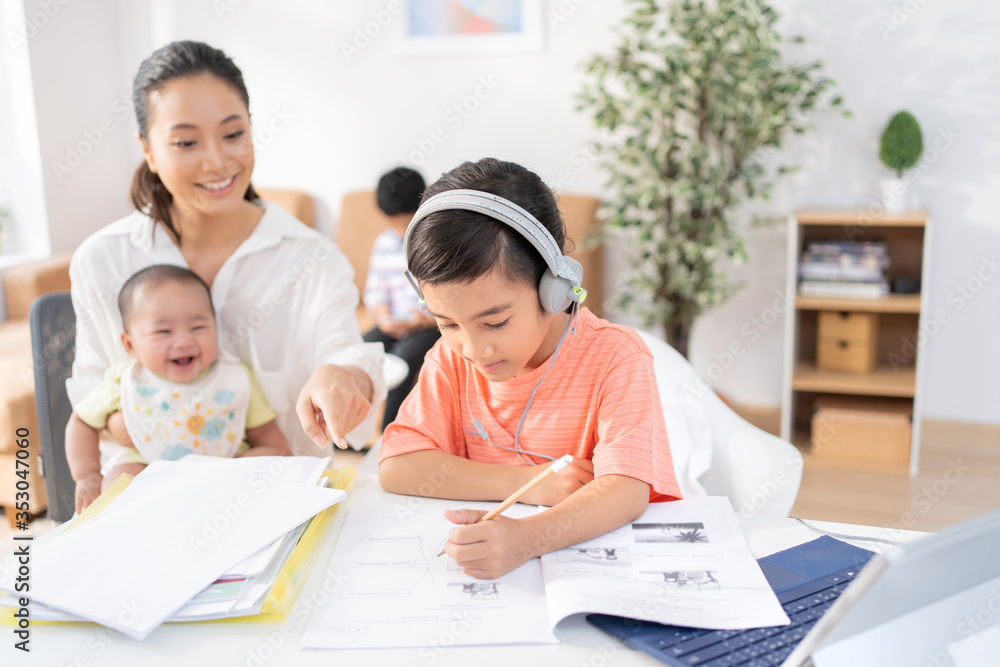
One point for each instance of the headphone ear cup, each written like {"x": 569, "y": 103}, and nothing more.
{"x": 554, "y": 292}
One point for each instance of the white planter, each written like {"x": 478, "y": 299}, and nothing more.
{"x": 892, "y": 192}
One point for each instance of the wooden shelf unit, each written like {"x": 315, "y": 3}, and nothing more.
{"x": 883, "y": 381}
{"x": 897, "y": 369}
{"x": 894, "y": 303}
{"x": 854, "y": 218}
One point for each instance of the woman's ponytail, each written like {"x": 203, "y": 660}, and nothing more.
{"x": 150, "y": 196}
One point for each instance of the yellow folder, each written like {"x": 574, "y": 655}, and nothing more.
{"x": 290, "y": 580}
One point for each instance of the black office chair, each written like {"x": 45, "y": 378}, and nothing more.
{"x": 53, "y": 347}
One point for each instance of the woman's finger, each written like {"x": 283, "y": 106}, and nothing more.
{"x": 308, "y": 416}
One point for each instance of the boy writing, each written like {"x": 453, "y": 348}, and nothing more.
{"x": 522, "y": 376}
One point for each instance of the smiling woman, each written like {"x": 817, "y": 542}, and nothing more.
{"x": 283, "y": 294}
{"x": 192, "y": 109}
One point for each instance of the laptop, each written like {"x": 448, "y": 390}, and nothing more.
{"x": 932, "y": 602}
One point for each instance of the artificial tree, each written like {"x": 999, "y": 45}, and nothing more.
{"x": 902, "y": 143}
{"x": 693, "y": 103}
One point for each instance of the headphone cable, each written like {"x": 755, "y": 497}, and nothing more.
{"x": 481, "y": 430}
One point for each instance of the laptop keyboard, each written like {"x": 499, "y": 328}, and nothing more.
{"x": 761, "y": 647}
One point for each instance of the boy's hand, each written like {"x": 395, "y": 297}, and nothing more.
{"x": 560, "y": 486}
{"x": 492, "y": 548}
{"x": 87, "y": 490}
{"x": 489, "y": 549}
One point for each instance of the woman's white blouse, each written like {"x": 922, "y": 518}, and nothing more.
{"x": 284, "y": 301}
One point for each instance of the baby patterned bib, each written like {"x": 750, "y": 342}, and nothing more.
{"x": 168, "y": 420}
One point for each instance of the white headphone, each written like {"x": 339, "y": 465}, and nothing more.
{"x": 557, "y": 290}
{"x": 560, "y": 284}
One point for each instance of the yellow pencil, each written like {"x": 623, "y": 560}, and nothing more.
{"x": 558, "y": 465}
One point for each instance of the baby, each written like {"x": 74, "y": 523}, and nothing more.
{"x": 179, "y": 395}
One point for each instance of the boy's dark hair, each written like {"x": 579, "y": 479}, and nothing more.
{"x": 174, "y": 61}
{"x": 460, "y": 246}
{"x": 157, "y": 273}
{"x": 399, "y": 191}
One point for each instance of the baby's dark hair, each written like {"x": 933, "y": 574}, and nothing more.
{"x": 460, "y": 246}
{"x": 157, "y": 274}
{"x": 399, "y": 191}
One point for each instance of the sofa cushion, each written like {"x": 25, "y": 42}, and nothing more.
{"x": 17, "y": 392}
{"x": 299, "y": 204}
{"x": 26, "y": 282}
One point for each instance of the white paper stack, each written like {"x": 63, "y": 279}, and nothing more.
{"x": 171, "y": 535}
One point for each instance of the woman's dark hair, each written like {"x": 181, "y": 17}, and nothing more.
{"x": 399, "y": 191}
{"x": 460, "y": 246}
{"x": 174, "y": 61}
{"x": 158, "y": 274}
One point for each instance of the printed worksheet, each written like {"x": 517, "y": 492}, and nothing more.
{"x": 396, "y": 591}
{"x": 681, "y": 563}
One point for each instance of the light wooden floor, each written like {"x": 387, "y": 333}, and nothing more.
{"x": 959, "y": 478}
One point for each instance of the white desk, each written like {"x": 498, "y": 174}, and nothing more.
{"x": 256, "y": 645}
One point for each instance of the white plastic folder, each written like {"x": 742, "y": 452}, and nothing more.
{"x": 130, "y": 569}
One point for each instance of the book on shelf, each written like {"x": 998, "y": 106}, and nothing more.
{"x": 841, "y": 272}
{"x": 844, "y": 290}
{"x": 873, "y": 248}
{"x": 844, "y": 269}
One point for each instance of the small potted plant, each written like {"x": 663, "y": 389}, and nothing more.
{"x": 900, "y": 148}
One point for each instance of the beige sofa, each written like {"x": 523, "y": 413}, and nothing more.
{"x": 22, "y": 285}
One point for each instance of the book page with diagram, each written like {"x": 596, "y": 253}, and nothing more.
{"x": 680, "y": 563}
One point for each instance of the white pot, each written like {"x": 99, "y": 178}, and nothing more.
{"x": 893, "y": 195}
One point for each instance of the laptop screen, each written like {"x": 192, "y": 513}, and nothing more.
{"x": 914, "y": 602}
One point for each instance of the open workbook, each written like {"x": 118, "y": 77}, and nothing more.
{"x": 683, "y": 563}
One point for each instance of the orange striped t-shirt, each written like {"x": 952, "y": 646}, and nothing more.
{"x": 599, "y": 402}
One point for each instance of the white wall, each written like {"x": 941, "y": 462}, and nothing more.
{"x": 84, "y": 123}
{"x": 23, "y": 234}
{"x": 940, "y": 62}
{"x": 341, "y": 121}
{"x": 20, "y": 175}
{"x": 338, "y": 123}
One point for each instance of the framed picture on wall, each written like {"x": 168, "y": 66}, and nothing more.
{"x": 440, "y": 27}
